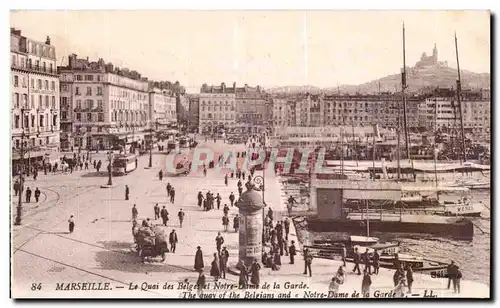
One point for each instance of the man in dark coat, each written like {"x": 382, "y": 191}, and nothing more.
{"x": 376, "y": 262}
{"x": 169, "y": 188}
{"x": 356, "y": 258}
{"x": 198, "y": 259}
{"x": 200, "y": 198}
{"x": 225, "y": 222}
{"x": 172, "y": 195}
{"x": 236, "y": 223}
{"x": 226, "y": 209}
{"x": 218, "y": 199}
{"x": 28, "y": 195}
{"x": 409, "y": 278}
{"x": 452, "y": 270}
{"x": 255, "y": 273}
{"x": 219, "y": 240}
{"x": 181, "y": 216}
{"x": 164, "y": 216}
{"x": 240, "y": 190}
{"x": 292, "y": 250}
{"x": 224, "y": 257}
{"x": 286, "y": 224}
{"x": 231, "y": 198}
{"x": 160, "y": 175}
{"x": 307, "y": 262}
{"x": 172, "y": 238}
{"x": 37, "y": 194}
{"x": 127, "y": 192}
{"x": 226, "y": 179}
{"x": 366, "y": 260}
{"x": 157, "y": 211}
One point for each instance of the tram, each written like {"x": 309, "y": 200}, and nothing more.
{"x": 124, "y": 163}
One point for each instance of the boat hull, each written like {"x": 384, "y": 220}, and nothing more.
{"x": 456, "y": 228}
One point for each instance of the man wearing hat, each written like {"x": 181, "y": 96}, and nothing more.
{"x": 172, "y": 238}
{"x": 343, "y": 253}
{"x": 292, "y": 252}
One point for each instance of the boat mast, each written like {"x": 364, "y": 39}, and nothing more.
{"x": 435, "y": 148}
{"x": 459, "y": 89}
{"x": 403, "y": 89}
{"x": 342, "y": 145}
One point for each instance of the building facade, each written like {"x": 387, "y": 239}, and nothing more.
{"x": 217, "y": 109}
{"x": 162, "y": 109}
{"x": 280, "y": 112}
{"x": 243, "y": 109}
{"x": 109, "y": 106}
{"x": 35, "y": 98}
{"x": 442, "y": 113}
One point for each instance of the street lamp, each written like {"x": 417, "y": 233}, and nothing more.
{"x": 19, "y": 209}
{"x": 110, "y": 162}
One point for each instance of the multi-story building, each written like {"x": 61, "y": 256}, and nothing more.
{"x": 280, "y": 112}
{"x": 110, "y": 106}
{"x": 442, "y": 112}
{"x": 217, "y": 108}
{"x": 162, "y": 109}
{"x": 252, "y": 106}
{"x": 194, "y": 113}
{"x": 35, "y": 97}
{"x": 244, "y": 109}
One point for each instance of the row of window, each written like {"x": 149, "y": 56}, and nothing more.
{"x": 41, "y": 50}
{"x": 217, "y": 103}
{"x": 88, "y": 104}
{"x": 87, "y": 77}
{"x": 32, "y": 142}
{"x": 28, "y": 63}
{"x": 91, "y": 117}
{"x": 43, "y": 121}
{"x": 50, "y": 101}
{"x": 129, "y": 105}
{"x": 209, "y": 108}
{"x": 219, "y": 116}
{"x": 88, "y": 92}
{"x": 21, "y": 82}
{"x": 120, "y": 116}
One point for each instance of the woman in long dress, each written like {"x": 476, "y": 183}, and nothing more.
{"x": 215, "y": 270}
{"x": 198, "y": 260}
{"x": 255, "y": 273}
{"x": 243, "y": 279}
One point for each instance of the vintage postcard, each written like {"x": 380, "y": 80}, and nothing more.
{"x": 250, "y": 154}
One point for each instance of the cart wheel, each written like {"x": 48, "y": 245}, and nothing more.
{"x": 163, "y": 257}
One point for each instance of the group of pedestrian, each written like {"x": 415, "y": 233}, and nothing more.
{"x": 367, "y": 258}
{"x": 454, "y": 276}
{"x": 171, "y": 193}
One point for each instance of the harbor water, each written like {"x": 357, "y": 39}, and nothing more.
{"x": 473, "y": 257}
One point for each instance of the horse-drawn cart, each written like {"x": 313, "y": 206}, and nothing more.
{"x": 151, "y": 243}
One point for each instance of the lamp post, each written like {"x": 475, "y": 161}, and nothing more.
{"x": 19, "y": 210}
{"x": 110, "y": 163}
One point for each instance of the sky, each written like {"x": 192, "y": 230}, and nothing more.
{"x": 266, "y": 48}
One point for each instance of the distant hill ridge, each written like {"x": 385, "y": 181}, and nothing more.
{"x": 418, "y": 80}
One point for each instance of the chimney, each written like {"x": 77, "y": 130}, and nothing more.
{"x": 246, "y": 87}
{"x": 72, "y": 60}
{"x": 258, "y": 88}
{"x": 223, "y": 86}
{"x": 47, "y": 41}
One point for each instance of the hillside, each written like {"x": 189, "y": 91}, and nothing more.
{"x": 417, "y": 80}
